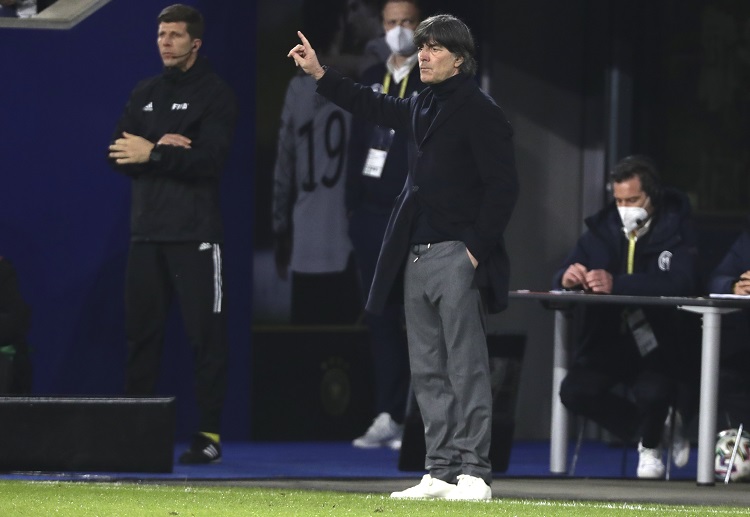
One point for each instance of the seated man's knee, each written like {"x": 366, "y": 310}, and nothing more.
{"x": 577, "y": 392}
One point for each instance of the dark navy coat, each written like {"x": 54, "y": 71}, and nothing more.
{"x": 664, "y": 265}
{"x": 734, "y": 263}
{"x": 463, "y": 172}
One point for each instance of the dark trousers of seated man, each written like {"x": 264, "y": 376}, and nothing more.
{"x": 590, "y": 393}
{"x": 609, "y": 358}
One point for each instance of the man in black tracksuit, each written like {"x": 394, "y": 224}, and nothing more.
{"x": 173, "y": 140}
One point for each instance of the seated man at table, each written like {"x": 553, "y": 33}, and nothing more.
{"x": 641, "y": 244}
{"x": 732, "y": 276}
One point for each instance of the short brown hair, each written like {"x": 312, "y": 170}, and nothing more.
{"x": 184, "y": 13}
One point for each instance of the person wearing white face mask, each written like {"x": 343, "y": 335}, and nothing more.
{"x": 642, "y": 244}
{"x": 375, "y": 175}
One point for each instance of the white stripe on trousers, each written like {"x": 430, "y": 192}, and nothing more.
{"x": 218, "y": 294}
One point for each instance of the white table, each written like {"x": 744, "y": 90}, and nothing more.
{"x": 710, "y": 309}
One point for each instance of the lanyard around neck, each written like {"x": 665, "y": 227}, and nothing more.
{"x": 631, "y": 251}
{"x": 387, "y": 85}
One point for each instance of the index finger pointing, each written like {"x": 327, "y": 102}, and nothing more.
{"x": 303, "y": 39}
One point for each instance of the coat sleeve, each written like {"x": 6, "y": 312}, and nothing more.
{"x": 128, "y": 123}
{"x": 492, "y": 149}
{"x": 734, "y": 263}
{"x": 362, "y": 101}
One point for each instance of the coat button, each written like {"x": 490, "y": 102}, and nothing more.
{"x": 415, "y": 188}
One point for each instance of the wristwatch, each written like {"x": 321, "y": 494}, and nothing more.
{"x": 155, "y": 155}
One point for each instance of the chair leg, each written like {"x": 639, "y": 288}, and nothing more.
{"x": 574, "y": 460}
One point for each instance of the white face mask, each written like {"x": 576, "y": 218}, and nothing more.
{"x": 632, "y": 217}
{"x": 401, "y": 41}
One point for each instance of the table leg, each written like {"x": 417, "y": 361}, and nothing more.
{"x": 559, "y": 424}
{"x": 709, "y": 396}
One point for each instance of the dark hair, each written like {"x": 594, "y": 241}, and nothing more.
{"x": 184, "y": 13}
{"x": 451, "y": 33}
{"x": 643, "y": 167}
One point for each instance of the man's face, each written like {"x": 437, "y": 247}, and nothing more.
{"x": 398, "y": 13}
{"x": 437, "y": 63}
{"x": 176, "y": 47}
{"x": 630, "y": 193}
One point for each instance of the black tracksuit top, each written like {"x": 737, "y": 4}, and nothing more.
{"x": 175, "y": 195}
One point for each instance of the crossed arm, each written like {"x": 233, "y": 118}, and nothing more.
{"x": 130, "y": 149}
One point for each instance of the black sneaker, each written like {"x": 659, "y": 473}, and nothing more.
{"x": 202, "y": 450}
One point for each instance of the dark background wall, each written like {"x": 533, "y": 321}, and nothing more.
{"x": 64, "y": 213}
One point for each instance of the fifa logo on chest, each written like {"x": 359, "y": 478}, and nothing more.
{"x": 180, "y": 106}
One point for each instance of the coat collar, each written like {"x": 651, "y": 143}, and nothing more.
{"x": 455, "y": 101}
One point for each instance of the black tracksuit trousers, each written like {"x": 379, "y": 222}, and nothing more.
{"x": 156, "y": 272}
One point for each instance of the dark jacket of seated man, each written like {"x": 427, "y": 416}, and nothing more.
{"x": 664, "y": 264}
{"x": 607, "y": 354}
{"x": 732, "y": 276}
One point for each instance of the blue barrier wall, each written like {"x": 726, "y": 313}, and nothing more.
{"x": 64, "y": 212}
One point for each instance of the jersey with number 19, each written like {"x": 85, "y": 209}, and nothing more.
{"x": 309, "y": 178}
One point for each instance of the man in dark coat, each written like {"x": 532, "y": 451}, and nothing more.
{"x": 641, "y": 244}
{"x": 445, "y": 238}
{"x": 732, "y": 276}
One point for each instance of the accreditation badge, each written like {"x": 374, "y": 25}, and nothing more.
{"x": 375, "y": 162}
{"x": 380, "y": 142}
{"x": 642, "y": 332}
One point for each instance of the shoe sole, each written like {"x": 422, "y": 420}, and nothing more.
{"x": 372, "y": 445}
{"x": 641, "y": 476}
{"x": 217, "y": 460}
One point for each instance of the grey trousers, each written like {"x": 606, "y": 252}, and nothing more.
{"x": 445, "y": 325}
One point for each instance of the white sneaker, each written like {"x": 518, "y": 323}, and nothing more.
{"x": 470, "y": 488}
{"x": 382, "y": 433}
{"x": 428, "y": 488}
{"x": 395, "y": 444}
{"x": 680, "y": 444}
{"x": 650, "y": 465}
